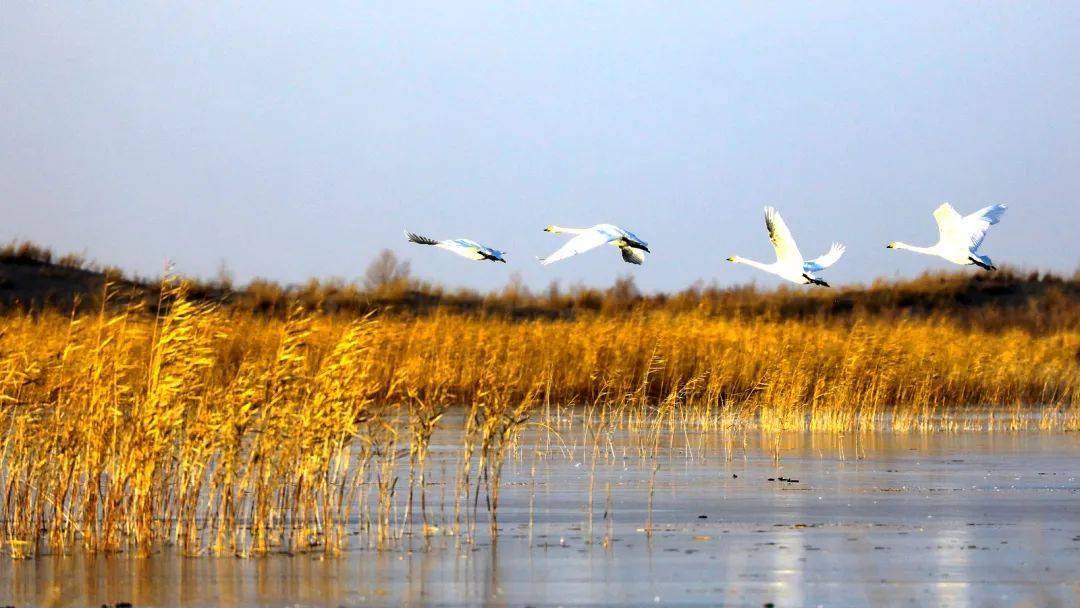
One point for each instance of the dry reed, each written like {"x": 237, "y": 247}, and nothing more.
{"x": 225, "y": 432}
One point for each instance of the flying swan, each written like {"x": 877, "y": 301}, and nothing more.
{"x": 632, "y": 247}
{"x": 959, "y": 236}
{"x": 466, "y": 248}
{"x": 789, "y": 262}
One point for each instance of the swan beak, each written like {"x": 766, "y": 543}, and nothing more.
{"x": 548, "y": 229}
{"x": 889, "y": 246}
{"x": 731, "y": 259}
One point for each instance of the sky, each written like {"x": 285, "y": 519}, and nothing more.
{"x": 288, "y": 141}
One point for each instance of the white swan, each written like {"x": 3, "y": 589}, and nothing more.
{"x": 466, "y": 248}
{"x": 789, "y": 262}
{"x": 959, "y": 236}
{"x": 632, "y": 247}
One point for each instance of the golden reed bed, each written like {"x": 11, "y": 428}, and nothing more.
{"x": 227, "y": 432}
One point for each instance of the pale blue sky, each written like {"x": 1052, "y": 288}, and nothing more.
{"x": 297, "y": 141}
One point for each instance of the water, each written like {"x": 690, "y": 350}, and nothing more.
{"x": 964, "y": 519}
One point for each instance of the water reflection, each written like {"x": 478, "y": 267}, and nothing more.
{"x": 873, "y": 519}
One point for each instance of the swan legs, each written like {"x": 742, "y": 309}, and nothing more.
{"x": 981, "y": 264}
{"x": 812, "y": 281}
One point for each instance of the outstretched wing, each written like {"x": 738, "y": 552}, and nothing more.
{"x": 579, "y": 244}
{"x": 498, "y": 253}
{"x": 976, "y": 224}
{"x": 949, "y": 224}
{"x": 420, "y": 240}
{"x": 466, "y": 248}
{"x": 633, "y": 256}
{"x": 490, "y": 253}
{"x": 782, "y": 241}
{"x": 823, "y": 262}
{"x": 635, "y": 238}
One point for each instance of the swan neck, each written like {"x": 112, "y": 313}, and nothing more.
{"x": 755, "y": 264}
{"x": 561, "y": 230}
{"x": 915, "y": 248}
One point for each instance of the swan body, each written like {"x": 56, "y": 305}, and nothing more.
{"x": 959, "y": 236}
{"x": 466, "y": 248}
{"x": 789, "y": 264}
{"x": 633, "y": 248}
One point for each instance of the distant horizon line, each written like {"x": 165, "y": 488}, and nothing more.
{"x": 26, "y": 251}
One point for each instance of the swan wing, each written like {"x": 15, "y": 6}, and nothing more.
{"x": 949, "y": 224}
{"x": 633, "y": 237}
{"x": 782, "y": 241}
{"x": 481, "y": 247}
{"x": 823, "y": 262}
{"x": 579, "y": 244}
{"x": 490, "y": 253}
{"x": 420, "y": 240}
{"x": 464, "y": 247}
{"x": 493, "y": 252}
{"x": 976, "y": 224}
{"x": 632, "y": 256}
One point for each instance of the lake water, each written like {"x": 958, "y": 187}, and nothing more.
{"x": 964, "y": 519}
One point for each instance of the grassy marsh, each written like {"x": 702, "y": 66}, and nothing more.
{"x": 226, "y": 432}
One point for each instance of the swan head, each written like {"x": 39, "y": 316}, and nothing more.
{"x": 733, "y": 258}
{"x": 891, "y": 245}
{"x": 552, "y": 229}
